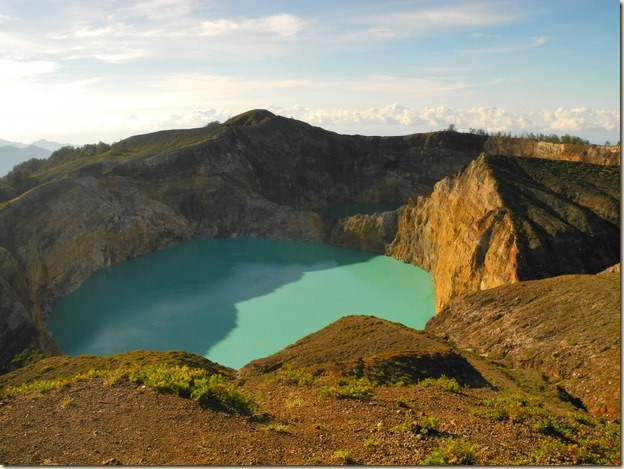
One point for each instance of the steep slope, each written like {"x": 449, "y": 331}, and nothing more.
{"x": 504, "y": 219}
{"x": 566, "y": 327}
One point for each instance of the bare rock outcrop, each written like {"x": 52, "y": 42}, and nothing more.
{"x": 461, "y": 234}
{"x": 371, "y": 233}
{"x": 596, "y": 154}
{"x": 503, "y": 220}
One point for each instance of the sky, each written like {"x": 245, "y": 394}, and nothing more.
{"x": 81, "y": 72}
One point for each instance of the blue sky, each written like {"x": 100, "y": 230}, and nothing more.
{"x": 80, "y": 72}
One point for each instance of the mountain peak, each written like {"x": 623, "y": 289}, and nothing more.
{"x": 253, "y": 117}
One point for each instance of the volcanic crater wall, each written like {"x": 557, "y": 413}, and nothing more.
{"x": 262, "y": 176}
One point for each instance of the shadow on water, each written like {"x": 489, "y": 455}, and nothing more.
{"x": 184, "y": 296}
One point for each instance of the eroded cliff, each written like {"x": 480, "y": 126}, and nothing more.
{"x": 504, "y": 219}
{"x": 597, "y": 154}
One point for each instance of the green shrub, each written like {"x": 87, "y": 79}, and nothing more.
{"x": 207, "y": 389}
{"x": 453, "y": 452}
{"x": 287, "y": 374}
{"x": 510, "y": 406}
{"x": 343, "y": 456}
{"x": 556, "y": 452}
{"x": 27, "y": 356}
{"x": 553, "y": 426}
{"x": 39, "y": 386}
{"x": 344, "y": 388}
{"x": 277, "y": 427}
{"x": 443, "y": 383}
{"x": 426, "y": 426}
{"x": 176, "y": 380}
{"x": 404, "y": 427}
{"x": 402, "y": 402}
{"x": 215, "y": 389}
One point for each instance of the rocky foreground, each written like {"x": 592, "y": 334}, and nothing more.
{"x": 360, "y": 391}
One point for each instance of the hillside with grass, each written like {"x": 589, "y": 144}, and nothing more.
{"x": 566, "y": 327}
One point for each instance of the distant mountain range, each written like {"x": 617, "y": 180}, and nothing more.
{"x": 14, "y": 153}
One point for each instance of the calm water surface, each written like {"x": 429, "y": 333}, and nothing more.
{"x": 236, "y": 299}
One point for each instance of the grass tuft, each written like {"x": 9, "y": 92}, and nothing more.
{"x": 453, "y": 452}
{"x": 444, "y": 383}
{"x": 348, "y": 388}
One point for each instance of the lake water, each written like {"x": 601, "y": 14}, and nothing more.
{"x": 233, "y": 300}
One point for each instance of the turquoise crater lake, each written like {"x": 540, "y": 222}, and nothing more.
{"x": 233, "y": 300}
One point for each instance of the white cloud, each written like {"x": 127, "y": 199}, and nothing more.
{"x": 120, "y": 54}
{"x": 112, "y": 123}
{"x": 162, "y": 30}
{"x": 159, "y": 9}
{"x": 581, "y": 119}
{"x": 13, "y": 70}
{"x": 505, "y": 48}
{"x": 417, "y": 20}
{"x": 282, "y": 24}
{"x": 484, "y": 35}
{"x": 491, "y": 119}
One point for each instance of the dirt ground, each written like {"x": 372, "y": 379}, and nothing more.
{"x": 93, "y": 422}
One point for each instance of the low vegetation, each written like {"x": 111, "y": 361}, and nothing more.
{"x": 454, "y": 452}
{"x": 210, "y": 390}
{"x": 575, "y": 438}
{"x": 443, "y": 383}
{"x": 34, "y": 172}
{"x": 207, "y": 388}
{"x": 343, "y": 456}
{"x": 429, "y": 423}
{"x": 347, "y": 388}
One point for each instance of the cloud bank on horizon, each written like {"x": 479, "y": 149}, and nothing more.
{"x": 108, "y": 69}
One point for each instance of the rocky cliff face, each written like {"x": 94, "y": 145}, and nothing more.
{"x": 596, "y": 154}
{"x": 503, "y": 220}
